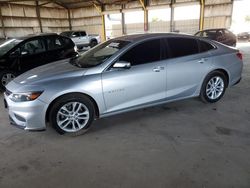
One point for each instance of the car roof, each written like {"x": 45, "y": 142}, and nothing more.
{"x": 36, "y": 35}
{"x": 137, "y": 37}
{"x": 72, "y": 31}
{"x": 214, "y": 29}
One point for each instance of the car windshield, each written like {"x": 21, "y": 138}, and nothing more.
{"x": 8, "y": 45}
{"x": 99, "y": 54}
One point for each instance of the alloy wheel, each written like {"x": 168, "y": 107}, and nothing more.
{"x": 6, "y": 78}
{"x": 72, "y": 116}
{"x": 215, "y": 87}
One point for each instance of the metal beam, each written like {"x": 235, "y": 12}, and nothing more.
{"x": 69, "y": 18}
{"x": 123, "y": 21}
{"x": 202, "y": 11}
{"x": 42, "y": 4}
{"x": 172, "y": 27}
{"x": 60, "y": 4}
{"x": 100, "y": 10}
{"x": 232, "y": 9}
{"x": 3, "y": 28}
{"x": 144, "y": 6}
{"x": 99, "y": 2}
{"x": 38, "y": 16}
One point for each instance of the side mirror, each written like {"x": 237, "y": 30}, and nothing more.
{"x": 122, "y": 65}
{"x": 24, "y": 53}
{"x": 15, "y": 54}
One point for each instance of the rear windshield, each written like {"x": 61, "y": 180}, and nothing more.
{"x": 99, "y": 54}
{"x": 66, "y": 34}
{"x": 7, "y": 45}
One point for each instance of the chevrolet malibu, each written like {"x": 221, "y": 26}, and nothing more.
{"x": 120, "y": 75}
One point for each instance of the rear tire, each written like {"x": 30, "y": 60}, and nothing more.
{"x": 72, "y": 114}
{"x": 5, "y": 77}
{"x": 213, "y": 87}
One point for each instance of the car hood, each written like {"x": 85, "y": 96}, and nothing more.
{"x": 46, "y": 73}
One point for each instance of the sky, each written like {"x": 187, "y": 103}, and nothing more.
{"x": 241, "y": 9}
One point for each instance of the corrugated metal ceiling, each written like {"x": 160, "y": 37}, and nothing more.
{"x": 72, "y": 3}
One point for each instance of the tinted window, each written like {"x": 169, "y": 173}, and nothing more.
{"x": 200, "y": 34}
{"x": 83, "y": 33}
{"x": 204, "y": 46}
{"x": 67, "y": 41}
{"x": 179, "y": 47}
{"x": 76, "y": 34}
{"x": 33, "y": 47}
{"x": 54, "y": 43}
{"x": 228, "y": 33}
{"x": 210, "y": 34}
{"x": 66, "y": 34}
{"x": 145, "y": 52}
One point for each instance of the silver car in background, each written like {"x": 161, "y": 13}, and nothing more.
{"x": 122, "y": 74}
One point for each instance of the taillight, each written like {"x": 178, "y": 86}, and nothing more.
{"x": 240, "y": 56}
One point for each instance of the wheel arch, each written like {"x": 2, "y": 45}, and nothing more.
{"x": 94, "y": 39}
{"x": 96, "y": 108}
{"x": 225, "y": 73}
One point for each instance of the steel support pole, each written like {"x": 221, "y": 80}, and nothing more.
{"x": 69, "y": 19}
{"x": 123, "y": 21}
{"x": 38, "y": 16}
{"x": 144, "y": 4}
{"x": 2, "y": 23}
{"x": 202, "y": 11}
{"x": 172, "y": 27}
{"x": 100, "y": 10}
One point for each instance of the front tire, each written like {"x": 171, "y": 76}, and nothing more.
{"x": 72, "y": 114}
{"x": 213, "y": 87}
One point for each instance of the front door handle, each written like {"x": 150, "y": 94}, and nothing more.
{"x": 158, "y": 69}
{"x": 202, "y": 60}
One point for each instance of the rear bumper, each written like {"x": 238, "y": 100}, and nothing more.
{"x": 238, "y": 81}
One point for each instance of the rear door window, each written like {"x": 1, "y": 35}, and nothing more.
{"x": 179, "y": 47}
{"x": 211, "y": 34}
{"x": 67, "y": 41}
{"x": 76, "y": 34}
{"x": 54, "y": 43}
{"x": 145, "y": 52}
{"x": 83, "y": 33}
{"x": 205, "y": 46}
{"x": 199, "y": 34}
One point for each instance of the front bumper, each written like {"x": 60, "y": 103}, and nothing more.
{"x": 28, "y": 115}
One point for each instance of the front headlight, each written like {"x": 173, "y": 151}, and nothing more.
{"x": 22, "y": 97}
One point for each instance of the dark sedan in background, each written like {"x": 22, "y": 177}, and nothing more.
{"x": 22, "y": 54}
{"x": 243, "y": 36}
{"x": 221, "y": 35}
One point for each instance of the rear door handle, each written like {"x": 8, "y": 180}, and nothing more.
{"x": 158, "y": 69}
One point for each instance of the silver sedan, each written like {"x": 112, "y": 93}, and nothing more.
{"x": 120, "y": 75}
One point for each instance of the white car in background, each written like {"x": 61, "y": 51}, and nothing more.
{"x": 82, "y": 39}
